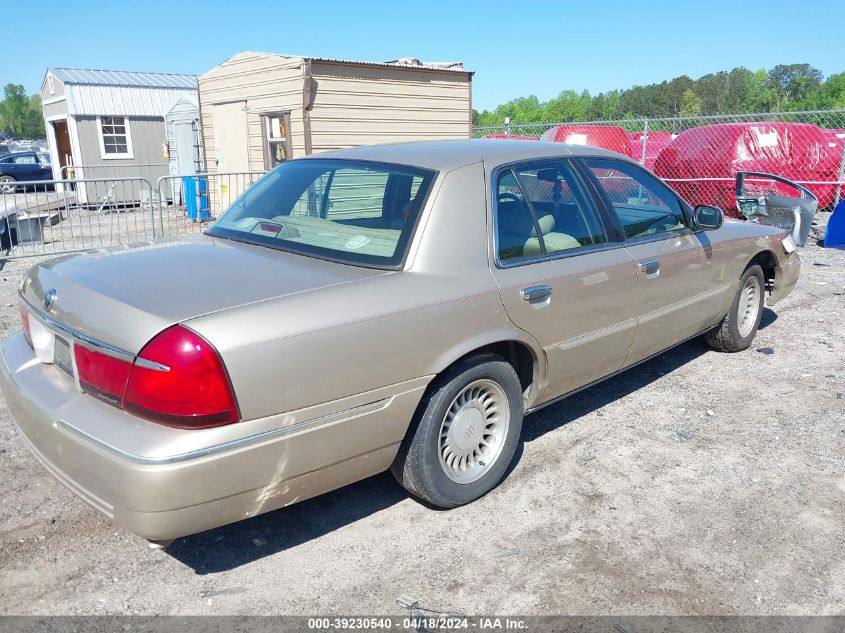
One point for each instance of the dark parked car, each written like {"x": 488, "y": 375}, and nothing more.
{"x": 23, "y": 167}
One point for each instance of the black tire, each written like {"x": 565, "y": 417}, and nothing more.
{"x": 418, "y": 464}
{"x": 726, "y": 336}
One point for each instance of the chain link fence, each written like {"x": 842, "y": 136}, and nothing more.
{"x": 700, "y": 156}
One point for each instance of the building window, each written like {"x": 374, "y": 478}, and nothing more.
{"x": 115, "y": 137}
{"x": 51, "y": 86}
{"x": 277, "y": 135}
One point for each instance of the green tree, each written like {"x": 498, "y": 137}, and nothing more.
{"x": 34, "y": 125}
{"x": 784, "y": 87}
{"x": 21, "y": 115}
{"x": 690, "y": 104}
{"x": 14, "y": 108}
{"x": 793, "y": 82}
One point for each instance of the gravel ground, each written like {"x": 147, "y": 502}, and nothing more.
{"x": 697, "y": 483}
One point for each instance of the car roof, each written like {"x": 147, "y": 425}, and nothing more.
{"x": 23, "y": 153}
{"x": 446, "y": 155}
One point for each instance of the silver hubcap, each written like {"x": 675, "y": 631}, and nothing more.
{"x": 749, "y": 305}
{"x": 7, "y": 185}
{"x": 473, "y": 431}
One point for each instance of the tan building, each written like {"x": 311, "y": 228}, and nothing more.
{"x": 257, "y": 109}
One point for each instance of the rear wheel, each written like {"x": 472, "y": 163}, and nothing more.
{"x": 737, "y": 330}
{"x": 7, "y": 184}
{"x": 464, "y": 434}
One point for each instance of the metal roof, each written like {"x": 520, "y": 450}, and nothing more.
{"x": 92, "y": 77}
{"x": 410, "y": 63}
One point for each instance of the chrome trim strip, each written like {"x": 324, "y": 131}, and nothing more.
{"x": 150, "y": 364}
{"x": 330, "y": 418}
{"x": 111, "y": 350}
{"x": 592, "y": 336}
{"x": 685, "y": 303}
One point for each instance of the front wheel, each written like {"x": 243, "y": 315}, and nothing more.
{"x": 737, "y": 330}
{"x": 464, "y": 434}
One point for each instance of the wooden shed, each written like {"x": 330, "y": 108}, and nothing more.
{"x": 258, "y": 109}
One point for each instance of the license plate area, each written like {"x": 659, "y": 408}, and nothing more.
{"x": 63, "y": 356}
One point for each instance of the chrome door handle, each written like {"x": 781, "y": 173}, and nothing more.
{"x": 650, "y": 266}
{"x": 534, "y": 293}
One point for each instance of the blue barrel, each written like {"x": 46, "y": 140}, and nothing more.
{"x": 195, "y": 194}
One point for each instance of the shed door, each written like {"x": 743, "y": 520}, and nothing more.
{"x": 185, "y": 140}
{"x": 231, "y": 139}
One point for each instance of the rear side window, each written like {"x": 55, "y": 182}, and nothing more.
{"x": 644, "y": 205}
{"x": 25, "y": 159}
{"x": 541, "y": 208}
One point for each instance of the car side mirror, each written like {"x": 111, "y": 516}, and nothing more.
{"x": 707, "y": 217}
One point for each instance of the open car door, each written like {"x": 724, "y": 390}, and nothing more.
{"x": 776, "y": 201}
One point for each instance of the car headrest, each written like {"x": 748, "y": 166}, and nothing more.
{"x": 549, "y": 174}
{"x": 547, "y": 225}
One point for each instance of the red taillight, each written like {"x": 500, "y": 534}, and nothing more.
{"x": 102, "y": 375}
{"x": 25, "y": 320}
{"x": 179, "y": 380}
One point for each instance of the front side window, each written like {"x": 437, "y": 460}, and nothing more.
{"x": 115, "y": 138}
{"x": 644, "y": 205}
{"x": 542, "y": 208}
{"x": 356, "y": 212}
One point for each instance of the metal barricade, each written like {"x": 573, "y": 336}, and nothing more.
{"x": 39, "y": 218}
{"x": 188, "y": 204}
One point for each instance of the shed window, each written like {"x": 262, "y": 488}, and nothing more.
{"x": 115, "y": 138}
{"x": 277, "y": 133}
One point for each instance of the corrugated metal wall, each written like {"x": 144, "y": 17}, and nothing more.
{"x": 364, "y": 106}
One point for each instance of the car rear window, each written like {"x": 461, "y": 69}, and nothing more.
{"x": 356, "y": 212}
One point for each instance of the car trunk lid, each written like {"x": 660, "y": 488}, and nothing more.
{"x": 124, "y": 296}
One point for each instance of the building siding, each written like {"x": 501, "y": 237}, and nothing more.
{"x": 353, "y": 104}
{"x": 267, "y": 83}
{"x": 59, "y": 89}
{"x": 148, "y": 135}
{"x": 364, "y": 106}
{"x": 51, "y": 110}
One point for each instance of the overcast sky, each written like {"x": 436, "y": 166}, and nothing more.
{"x": 515, "y": 48}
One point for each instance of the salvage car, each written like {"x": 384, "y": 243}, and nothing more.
{"x": 23, "y": 166}
{"x": 400, "y": 306}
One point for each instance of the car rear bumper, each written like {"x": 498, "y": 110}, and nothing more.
{"x": 183, "y": 485}
{"x": 786, "y": 277}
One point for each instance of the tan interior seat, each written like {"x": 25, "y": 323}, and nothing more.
{"x": 554, "y": 241}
